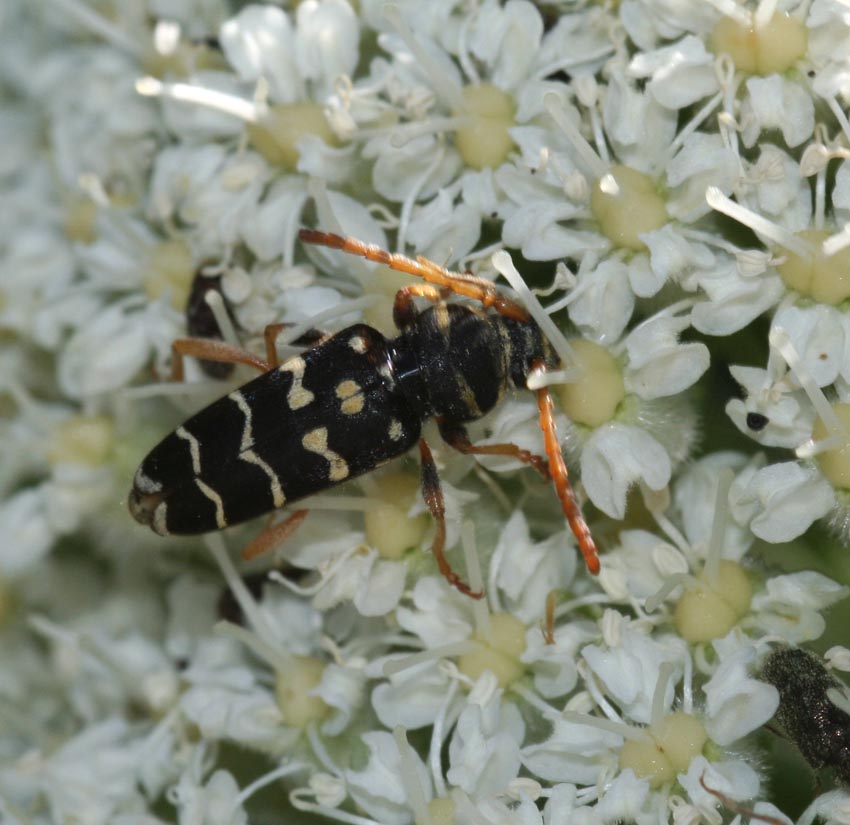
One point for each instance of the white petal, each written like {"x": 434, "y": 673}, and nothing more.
{"x": 614, "y": 458}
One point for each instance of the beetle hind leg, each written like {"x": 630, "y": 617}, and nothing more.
{"x": 210, "y": 349}
{"x": 432, "y": 492}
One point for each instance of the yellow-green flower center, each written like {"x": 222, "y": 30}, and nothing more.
{"x": 292, "y": 691}
{"x": 499, "y": 653}
{"x": 835, "y": 464}
{"x": 593, "y": 398}
{"x": 388, "y": 527}
{"x": 770, "y": 49}
{"x": 668, "y": 750}
{"x": 275, "y": 136}
{"x": 485, "y": 142}
{"x": 709, "y": 610}
{"x": 170, "y": 268}
{"x": 825, "y": 279}
{"x": 82, "y": 439}
{"x": 626, "y": 203}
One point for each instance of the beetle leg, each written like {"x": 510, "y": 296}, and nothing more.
{"x": 271, "y": 332}
{"x": 455, "y": 435}
{"x": 479, "y": 289}
{"x": 210, "y": 349}
{"x": 274, "y": 535}
{"x": 433, "y": 495}
{"x": 404, "y": 310}
{"x": 558, "y": 469}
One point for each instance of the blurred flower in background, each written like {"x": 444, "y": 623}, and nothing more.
{"x": 672, "y": 182}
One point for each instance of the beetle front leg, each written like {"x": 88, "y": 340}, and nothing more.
{"x": 432, "y": 492}
{"x": 455, "y": 435}
{"x": 566, "y": 494}
{"x": 404, "y": 310}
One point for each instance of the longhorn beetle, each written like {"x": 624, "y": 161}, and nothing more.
{"x": 351, "y": 403}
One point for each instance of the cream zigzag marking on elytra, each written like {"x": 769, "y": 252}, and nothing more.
{"x": 277, "y": 491}
{"x": 247, "y": 454}
{"x": 351, "y": 395}
{"x": 215, "y": 498}
{"x": 298, "y": 396}
{"x": 316, "y": 441}
{"x": 194, "y": 448}
{"x": 247, "y": 433}
{"x": 145, "y": 484}
{"x": 159, "y": 524}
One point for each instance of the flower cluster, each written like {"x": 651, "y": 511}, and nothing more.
{"x": 665, "y": 185}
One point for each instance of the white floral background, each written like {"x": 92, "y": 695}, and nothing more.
{"x": 672, "y": 180}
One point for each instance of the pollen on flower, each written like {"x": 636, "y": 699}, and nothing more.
{"x": 293, "y": 688}
{"x": 668, "y": 750}
{"x": 80, "y": 220}
{"x": 389, "y": 529}
{"x": 593, "y": 399}
{"x": 835, "y": 464}
{"x": 277, "y": 132}
{"x": 485, "y": 142}
{"x": 824, "y": 278}
{"x": 441, "y": 811}
{"x": 771, "y": 48}
{"x": 170, "y": 268}
{"x": 82, "y": 439}
{"x": 186, "y": 58}
{"x": 498, "y": 651}
{"x": 710, "y": 609}
{"x": 626, "y": 204}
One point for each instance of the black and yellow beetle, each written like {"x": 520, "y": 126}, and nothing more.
{"x": 351, "y": 403}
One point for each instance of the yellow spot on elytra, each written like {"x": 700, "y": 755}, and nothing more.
{"x": 395, "y": 430}
{"x": 351, "y": 396}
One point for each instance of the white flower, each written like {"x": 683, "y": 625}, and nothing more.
{"x": 215, "y": 803}
{"x": 791, "y": 605}
{"x": 484, "y": 748}
{"x": 783, "y": 416}
{"x": 629, "y": 671}
{"x": 379, "y": 788}
{"x": 615, "y": 457}
{"x": 776, "y": 103}
{"x": 681, "y": 73}
{"x": 736, "y": 704}
{"x": 781, "y": 501}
